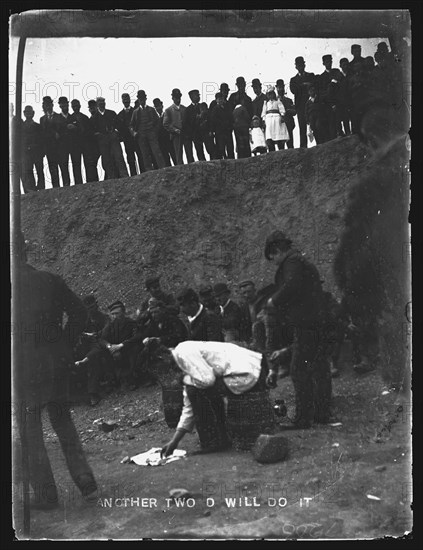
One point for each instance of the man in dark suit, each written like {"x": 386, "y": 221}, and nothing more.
{"x": 299, "y": 85}
{"x": 234, "y": 99}
{"x": 316, "y": 116}
{"x": 191, "y": 125}
{"x": 328, "y": 90}
{"x": 41, "y": 377}
{"x": 82, "y": 143}
{"x": 64, "y": 130}
{"x": 221, "y": 125}
{"x": 299, "y": 302}
{"x": 207, "y": 298}
{"x": 230, "y": 313}
{"x": 124, "y": 120}
{"x": 344, "y": 104}
{"x": 153, "y": 287}
{"x": 49, "y": 126}
{"x": 224, "y": 90}
{"x": 104, "y": 125}
{"x": 204, "y": 324}
{"x": 145, "y": 125}
{"x": 165, "y": 144}
{"x": 290, "y": 112}
{"x": 260, "y": 98}
{"x": 358, "y": 60}
{"x": 32, "y": 152}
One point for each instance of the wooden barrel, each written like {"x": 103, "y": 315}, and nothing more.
{"x": 248, "y": 416}
{"x": 173, "y": 401}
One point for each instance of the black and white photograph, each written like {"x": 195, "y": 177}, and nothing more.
{"x": 210, "y": 253}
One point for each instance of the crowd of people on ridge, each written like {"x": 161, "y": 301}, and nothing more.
{"x": 326, "y": 106}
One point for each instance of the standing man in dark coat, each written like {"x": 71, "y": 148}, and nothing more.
{"x": 241, "y": 123}
{"x": 82, "y": 145}
{"x": 230, "y": 313}
{"x": 49, "y": 125}
{"x": 328, "y": 90}
{"x": 299, "y": 302}
{"x": 224, "y": 90}
{"x": 235, "y": 98}
{"x": 64, "y": 129}
{"x": 145, "y": 128}
{"x": 207, "y": 298}
{"x": 105, "y": 127}
{"x": 42, "y": 378}
{"x": 299, "y": 86}
{"x": 124, "y": 120}
{"x": 290, "y": 112}
{"x": 316, "y": 116}
{"x": 221, "y": 125}
{"x": 32, "y": 152}
{"x": 357, "y": 62}
{"x": 173, "y": 122}
{"x": 204, "y": 324}
{"x": 260, "y": 98}
{"x": 165, "y": 144}
{"x": 191, "y": 125}
{"x": 344, "y": 104}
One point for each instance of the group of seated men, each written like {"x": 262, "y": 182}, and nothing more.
{"x": 111, "y": 346}
{"x": 329, "y": 105}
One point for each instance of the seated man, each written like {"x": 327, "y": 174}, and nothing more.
{"x": 96, "y": 365}
{"x": 211, "y": 371}
{"x": 117, "y": 341}
{"x": 230, "y": 313}
{"x": 203, "y": 324}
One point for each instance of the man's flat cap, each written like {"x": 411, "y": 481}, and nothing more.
{"x": 245, "y": 282}
{"x": 220, "y": 288}
{"x": 187, "y": 295}
{"x": 193, "y": 92}
{"x": 327, "y": 56}
{"x": 150, "y": 281}
{"x": 116, "y": 305}
{"x": 176, "y": 92}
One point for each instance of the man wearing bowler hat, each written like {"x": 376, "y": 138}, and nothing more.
{"x": 230, "y": 313}
{"x": 173, "y": 123}
{"x": 328, "y": 85}
{"x": 131, "y": 145}
{"x": 145, "y": 128}
{"x": 260, "y": 98}
{"x": 290, "y": 112}
{"x": 49, "y": 125}
{"x": 299, "y": 86}
{"x": 236, "y": 97}
{"x": 82, "y": 145}
{"x": 191, "y": 124}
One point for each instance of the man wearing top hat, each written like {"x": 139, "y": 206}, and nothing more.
{"x": 299, "y": 85}
{"x": 236, "y": 97}
{"x": 290, "y": 112}
{"x": 260, "y": 98}
{"x": 145, "y": 125}
{"x": 49, "y": 126}
{"x": 191, "y": 125}
{"x": 173, "y": 123}
{"x": 230, "y": 313}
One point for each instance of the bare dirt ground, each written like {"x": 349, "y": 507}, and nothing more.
{"x": 324, "y": 488}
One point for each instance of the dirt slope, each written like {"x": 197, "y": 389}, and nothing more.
{"x": 202, "y": 222}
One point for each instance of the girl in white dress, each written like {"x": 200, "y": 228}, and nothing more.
{"x": 257, "y": 139}
{"x": 273, "y": 115}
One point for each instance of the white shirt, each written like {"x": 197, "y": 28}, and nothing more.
{"x": 200, "y": 309}
{"x": 222, "y": 308}
{"x": 203, "y": 362}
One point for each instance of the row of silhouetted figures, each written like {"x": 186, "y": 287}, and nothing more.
{"x": 325, "y": 106}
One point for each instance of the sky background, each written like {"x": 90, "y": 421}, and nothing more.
{"x": 84, "y": 68}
